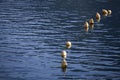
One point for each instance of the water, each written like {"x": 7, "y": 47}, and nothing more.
{"x": 34, "y": 32}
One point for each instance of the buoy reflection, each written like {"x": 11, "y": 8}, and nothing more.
{"x": 91, "y": 26}
{"x": 98, "y": 20}
{"x": 64, "y": 65}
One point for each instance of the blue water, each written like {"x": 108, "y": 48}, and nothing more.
{"x": 34, "y": 32}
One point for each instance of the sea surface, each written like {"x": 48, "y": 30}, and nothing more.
{"x": 33, "y": 33}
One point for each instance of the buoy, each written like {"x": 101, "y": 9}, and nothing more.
{"x": 104, "y": 12}
{"x": 98, "y": 17}
{"x": 86, "y": 25}
{"x": 68, "y": 44}
{"x": 109, "y": 12}
{"x": 64, "y": 64}
{"x": 91, "y": 21}
{"x": 64, "y": 54}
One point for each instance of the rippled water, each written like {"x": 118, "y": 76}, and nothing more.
{"x": 34, "y": 32}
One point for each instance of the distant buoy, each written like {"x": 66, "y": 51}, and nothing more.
{"x": 98, "y": 17}
{"x": 104, "y": 12}
{"x": 109, "y": 12}
{"x": 86, "y": 25}
{"x": 64, "y": 64}
{"x": 68, "y": 44}
{"x": 64, "y": 54}
{"x": 91, "y": 21}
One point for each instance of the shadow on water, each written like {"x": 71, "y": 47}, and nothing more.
{"x": 34, "y": 32}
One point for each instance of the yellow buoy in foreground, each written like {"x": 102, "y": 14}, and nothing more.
{"x": 104, "y": 12}
{"x": 86, "y": 26}
{"x": 68, "y": 44}
{"x": 64, "y": 54}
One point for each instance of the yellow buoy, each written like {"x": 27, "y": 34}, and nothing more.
{"x": 91, "y": 21}
{"x": 86, "y": 26}
{"x": 98, "y": 16}
{"x": 109, "y": 12}
{"x": 64, "y": 54}
{"x": 68, "y": 44}
{"x": 104, "y": 12}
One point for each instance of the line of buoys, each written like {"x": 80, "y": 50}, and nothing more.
{"x": 87, "y": 24}
{"x": 106, "y": 12}
{"x": 64, "y": 56}
{"x": 98, "y": 18}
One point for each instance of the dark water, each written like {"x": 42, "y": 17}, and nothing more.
{"x": 34, "y": 32}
